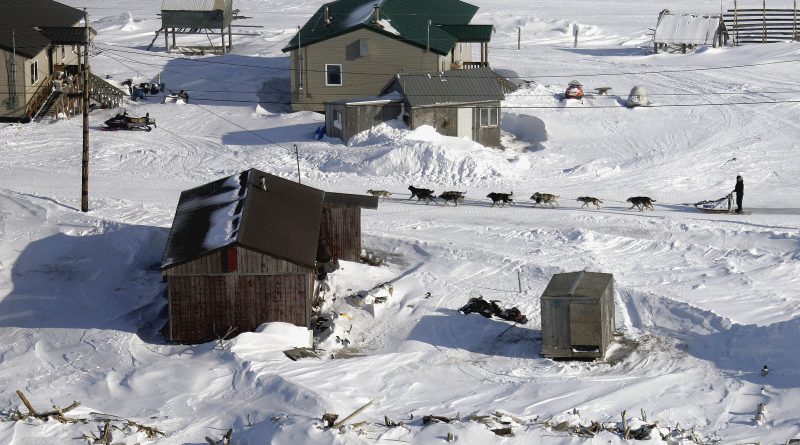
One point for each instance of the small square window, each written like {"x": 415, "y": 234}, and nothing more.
{"x": 333, "y": 75}
{"x": 489, "y": 117}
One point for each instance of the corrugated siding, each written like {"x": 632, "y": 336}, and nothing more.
{"x": 205, "y": 307}
{"x": 361, "y": 76}
{"x": 341, "y": 231}
{"x": 192, "y": 5}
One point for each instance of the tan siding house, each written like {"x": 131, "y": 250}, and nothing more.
{"x": 31, "y": 52}
{"x": 361, "y": 75}
{"x": 352, "y": 48}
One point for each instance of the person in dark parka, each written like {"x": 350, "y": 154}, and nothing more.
{"x": 739, "y": 190}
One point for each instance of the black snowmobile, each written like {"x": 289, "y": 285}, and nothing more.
{"x": 124, "y": 122}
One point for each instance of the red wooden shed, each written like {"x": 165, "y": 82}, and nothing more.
{"x": 242, "y": 251}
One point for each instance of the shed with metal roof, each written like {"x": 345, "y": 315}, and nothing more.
{"x": 244, "y": 250}
{"x": 578, "y": 315}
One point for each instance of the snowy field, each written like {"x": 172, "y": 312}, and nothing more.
{"x": 704, "y": 301}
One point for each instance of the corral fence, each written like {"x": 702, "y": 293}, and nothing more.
{"x": 762, "y": 25}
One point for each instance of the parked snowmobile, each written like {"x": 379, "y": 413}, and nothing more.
{"x": 124, "y": 122}
{"x": 574, "y": 90}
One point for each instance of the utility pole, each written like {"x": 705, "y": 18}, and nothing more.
{"x": 297, "y": 156}
{"x": 85, "y": 158}
{"x": 13, "y": 82}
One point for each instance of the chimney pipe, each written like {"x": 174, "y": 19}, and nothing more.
{"x": 327, "y": 16}
{"x": 377, "y": 17}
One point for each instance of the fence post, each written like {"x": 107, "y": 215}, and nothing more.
{"x": 735, "y": 23}
{"x": 519, "y": 38}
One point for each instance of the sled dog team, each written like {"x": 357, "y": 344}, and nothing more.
{"x": 501, "y": 199}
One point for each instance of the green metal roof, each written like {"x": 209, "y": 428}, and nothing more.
{"x": 405, "y": 20}
{"x": 469, "y": 33}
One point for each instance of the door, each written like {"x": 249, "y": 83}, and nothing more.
{"x": 584, "y": 326}
{"x": 465, "y": 123}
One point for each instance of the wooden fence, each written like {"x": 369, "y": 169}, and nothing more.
{"x": 762, "y": 25}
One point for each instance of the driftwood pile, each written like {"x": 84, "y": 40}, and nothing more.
{"x": 644, "y": 431}
{"x": 107, "y": 423}
{"x": 505, "y": 425}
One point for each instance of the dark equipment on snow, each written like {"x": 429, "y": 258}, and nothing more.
{"x": 489, "y": 308}
{"x": 121, "y": 121}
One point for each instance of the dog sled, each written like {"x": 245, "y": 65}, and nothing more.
{"x": 122, "y": 121}
{"x": 721, "y": 205}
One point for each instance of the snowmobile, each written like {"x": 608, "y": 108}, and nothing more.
{"x": 574, "y": 91}
{"x": 488, "y": 308}
{"x": 121, "y": 121}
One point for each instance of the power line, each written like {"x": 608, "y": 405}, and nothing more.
{"x": 524, "y": 77}
{"x": 222, "y": 118}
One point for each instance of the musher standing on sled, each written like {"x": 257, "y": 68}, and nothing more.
{"x": 739, "y": 190}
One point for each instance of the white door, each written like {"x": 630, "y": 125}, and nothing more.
{"x": 465, "y": 123}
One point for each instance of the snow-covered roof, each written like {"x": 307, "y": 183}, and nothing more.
{"x": 686, "y": 28}
{"x": 282, "y": 221}
{"x": 192, "y": 5}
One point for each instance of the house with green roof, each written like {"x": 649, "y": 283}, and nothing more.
{"x": 349, "y": 48}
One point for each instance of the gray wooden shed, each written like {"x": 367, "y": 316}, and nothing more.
{"x": 346, "y": 118}
{"x": 578, "y": 315}
{"x": 210, "y": 17}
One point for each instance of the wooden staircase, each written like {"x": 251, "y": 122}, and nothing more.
{"x": 48, "y": 104}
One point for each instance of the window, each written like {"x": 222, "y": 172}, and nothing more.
{"x": 363, "y": 47}
{"x": 337, "y": 119}
{"x": 333, "y": 75}
{"x": 489, "y": 117}
{"x": 34, "y": 72}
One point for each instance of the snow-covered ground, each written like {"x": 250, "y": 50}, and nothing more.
{"x": 704, "y": 301}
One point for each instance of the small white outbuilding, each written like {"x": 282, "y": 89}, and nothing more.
{"x": 688, "y": 31}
